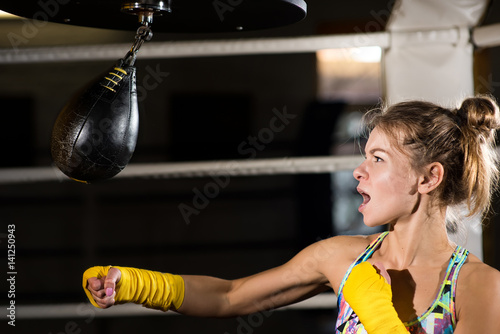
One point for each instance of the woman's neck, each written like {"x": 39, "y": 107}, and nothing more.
{"x": 419, "y": 239}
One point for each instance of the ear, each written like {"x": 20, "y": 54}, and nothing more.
{"x": 431, "y": 178}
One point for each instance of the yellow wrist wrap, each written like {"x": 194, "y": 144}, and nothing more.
{"x": 370, "y": 296}
{"x": 152, "y": 289}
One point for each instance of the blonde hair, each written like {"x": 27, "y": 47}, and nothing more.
{"x": 461, "y": 139}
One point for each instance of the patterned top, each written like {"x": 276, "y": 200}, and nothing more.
{"x": 439, "y": 318}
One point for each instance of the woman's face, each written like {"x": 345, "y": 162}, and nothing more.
{"x": 387, "y": 182}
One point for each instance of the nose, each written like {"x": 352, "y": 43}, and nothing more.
{"x": 360, "y": 172}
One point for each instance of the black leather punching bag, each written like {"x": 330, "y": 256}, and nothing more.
{"x": 95, "y": 134}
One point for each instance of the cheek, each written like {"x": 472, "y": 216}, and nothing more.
{"x": 402, "y": 185}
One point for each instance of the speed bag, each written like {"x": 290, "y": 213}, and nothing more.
{"x": 95, "y": 134}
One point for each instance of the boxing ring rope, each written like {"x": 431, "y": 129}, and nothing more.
{"x": 302, "y": 165}
{"x": 85, "y": 310}
{"x": 184, "y": 49}
{"x": 486, "y": 36}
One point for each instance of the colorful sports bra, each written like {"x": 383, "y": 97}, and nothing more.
{"x": 439, "y": 318}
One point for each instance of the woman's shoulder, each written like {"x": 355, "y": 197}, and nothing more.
{"x": 478, "y": 286}
{"x": 340, "y": 250}
{"x": 337, "y": 253}
{"x": 476, "y": 273}
{"x": 347, "y": 244}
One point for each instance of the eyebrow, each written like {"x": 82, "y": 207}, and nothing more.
{"x": 376, "y": 149}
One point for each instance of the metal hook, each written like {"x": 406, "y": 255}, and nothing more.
{"x": 143, "y": 34}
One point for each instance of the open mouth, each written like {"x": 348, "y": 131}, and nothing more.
{"x": 366, "y": 199}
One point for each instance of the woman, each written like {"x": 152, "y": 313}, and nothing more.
{"x": 421, "y": 161}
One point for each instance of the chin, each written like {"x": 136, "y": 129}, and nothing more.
{"x": 373, "y": 223}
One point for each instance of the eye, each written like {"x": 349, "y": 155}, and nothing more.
{"x": 378, "y": 159}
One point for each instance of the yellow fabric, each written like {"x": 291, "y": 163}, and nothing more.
{"x": 149, "y": 288}
{"x": 370, "y": 296}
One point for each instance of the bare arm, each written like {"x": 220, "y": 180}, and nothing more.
{"x": 214, "y": 297}
{"x": 478, "y": 300}
{"x": 298, "y": 279}
{"x": 301, "y": 277}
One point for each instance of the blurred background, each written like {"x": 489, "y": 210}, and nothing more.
{"x": 194, "y": 109}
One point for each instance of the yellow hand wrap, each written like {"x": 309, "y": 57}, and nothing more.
{"x": 152, "y": 289}
{"x": 370, "y": 296}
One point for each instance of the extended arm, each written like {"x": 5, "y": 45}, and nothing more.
{"x": 296, "y": 280}
{"x": 214, "y": 297}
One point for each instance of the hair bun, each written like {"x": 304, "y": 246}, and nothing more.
{"x": 481, "y": 114}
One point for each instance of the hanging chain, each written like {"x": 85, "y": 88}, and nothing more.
{"x": 113, "y": 79}
{"x": 143, "y": 34}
